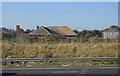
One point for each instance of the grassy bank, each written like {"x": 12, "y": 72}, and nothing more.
{"x": 59, "y": 50}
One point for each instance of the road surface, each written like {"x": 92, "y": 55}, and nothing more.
{"x": 111, "y": 70}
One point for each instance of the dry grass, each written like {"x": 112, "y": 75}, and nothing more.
{"x": 60, "y": 63}
{"x": 59, "y": 50}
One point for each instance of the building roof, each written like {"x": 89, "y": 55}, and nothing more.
{"x": 40, "y": 31}
{"x": 62, "y": 30}
{"x": 111, "y": 30}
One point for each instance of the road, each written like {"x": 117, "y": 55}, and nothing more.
{"x": 63, "y": 70}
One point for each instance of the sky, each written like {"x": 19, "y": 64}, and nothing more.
{"x": 60, "y": 0}
{"x": 76, "y": 15}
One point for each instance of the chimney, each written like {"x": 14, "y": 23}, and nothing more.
{"x": 17, "y": 31}
{"x": 37, "y": 27}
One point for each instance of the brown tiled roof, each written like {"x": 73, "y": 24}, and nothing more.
{"x": 62, "y": 30}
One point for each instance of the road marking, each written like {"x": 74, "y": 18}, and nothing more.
{"x": 56, "y": 72}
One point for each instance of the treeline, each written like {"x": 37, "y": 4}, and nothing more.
{"x": 88, "y": 33}
{"x": 10, "y": 34}
{"x": 83, "y": 36}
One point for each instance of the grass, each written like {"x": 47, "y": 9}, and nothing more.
{"x": 60, "y": 50}
{"x": 60, "y": 63}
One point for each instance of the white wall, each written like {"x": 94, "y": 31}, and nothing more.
{"x": 111, "y": 35}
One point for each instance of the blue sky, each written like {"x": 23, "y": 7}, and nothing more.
{"x": 76, "y": 15}
{"x": 59, "y": 0}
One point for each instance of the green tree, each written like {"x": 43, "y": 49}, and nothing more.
{"x": 6, "y": 36}
{"x": 76, "y": 31}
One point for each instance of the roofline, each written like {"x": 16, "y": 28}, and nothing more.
{"x": 46, "y": 30}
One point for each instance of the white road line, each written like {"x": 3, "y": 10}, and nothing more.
{"x": 56, "y": 72}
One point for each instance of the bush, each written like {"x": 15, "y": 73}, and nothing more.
{"x": 47, "y": 54}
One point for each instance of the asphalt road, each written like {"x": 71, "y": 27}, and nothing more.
{"x": 63, "y": 70}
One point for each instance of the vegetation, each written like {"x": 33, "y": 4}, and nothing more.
{"x": 61, "y": 49}
{"x": 88, "y": 44}
{"x": 60, "y": 63}
{"x": 89, "y": 33}
{"x": 83, "y": 36}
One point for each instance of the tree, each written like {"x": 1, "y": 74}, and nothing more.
{"x": 83, "y": 33}
{"x": 76, "y": 31}
{"x": 6, "y": 35}
{"x": 22, "y": 30}
{"x": 27, "y": 30}
{"x": 86, "y": 34}
{"x": 3, "y": 29}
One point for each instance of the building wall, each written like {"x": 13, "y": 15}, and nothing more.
{"x": 111, "y": 35}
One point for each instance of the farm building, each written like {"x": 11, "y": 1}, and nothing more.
{"x": 53, "y": 30}
{"x": 111, "y": 33}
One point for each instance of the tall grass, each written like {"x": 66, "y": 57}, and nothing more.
{"x": 59, "y": 50}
